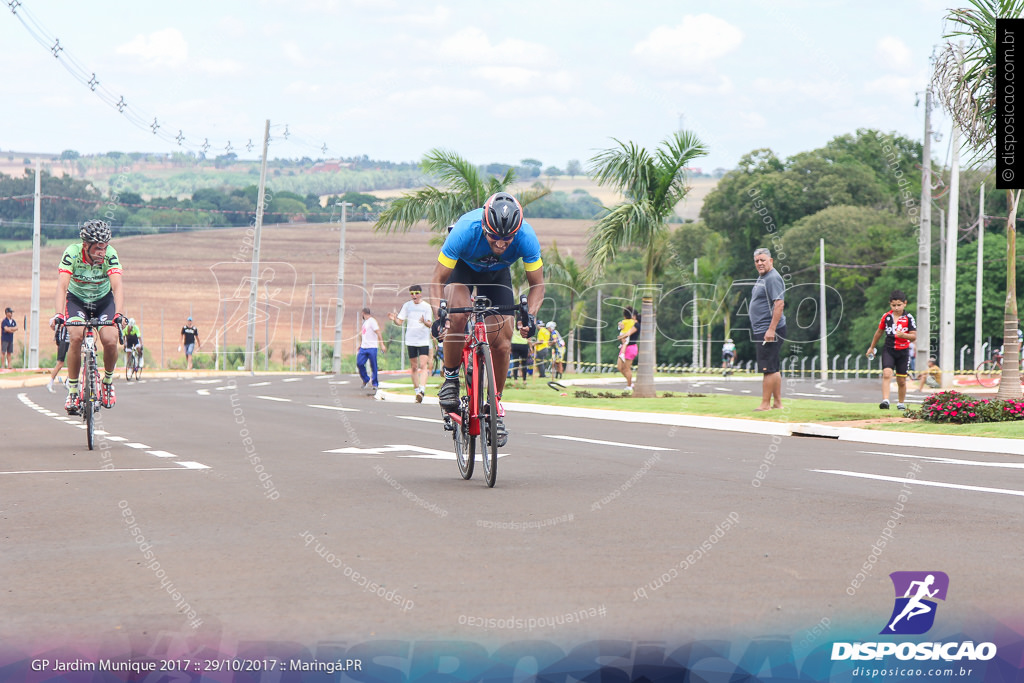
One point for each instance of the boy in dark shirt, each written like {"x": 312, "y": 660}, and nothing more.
{"x": 900, "y": 329}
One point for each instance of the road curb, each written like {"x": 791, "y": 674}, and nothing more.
{"x": 889, "y": 439}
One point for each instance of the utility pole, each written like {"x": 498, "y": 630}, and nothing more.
{"x": 822, "y": 325}
{"x": 980, "y": 277}
{"x": 924, "y": 244}
{"x": 250, "y": 334}
{"x": 33, "y": 339}
{"x": 694, "y": 321}
{"x": 339, "y": 310}
{"x": 948, "y": 321}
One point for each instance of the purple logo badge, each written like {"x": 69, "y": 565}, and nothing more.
{"x": 916, "y": 595}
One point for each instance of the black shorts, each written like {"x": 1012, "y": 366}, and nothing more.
{"x": 521, "y": 351}
{"x": 496, "y": 285}
{"x": 417, "y": 351}
{"x": 7, "y": 345}
{"x": 104, "y": 308}
{"x": 768, "y": 354}
{"x": 62, "y": 350}
{"x": 897, "y": 359}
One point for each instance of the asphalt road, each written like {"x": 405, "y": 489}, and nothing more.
{"x": 354, "y": 524}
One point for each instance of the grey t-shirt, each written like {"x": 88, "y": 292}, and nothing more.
{"x": 768, "y": 289}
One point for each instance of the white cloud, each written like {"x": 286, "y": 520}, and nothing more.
{"x": 162, "y": 48}
{"x": 894, "y": 86}
{"x": 893, "y": 53}
{"x": 471, "y": 44}
{"x": 219, "y": 67}
{"x": 751, "y": 120}
{"x": 438, "y": 17}
{"x": 293, "y": 53}
{"x": 520, "y": 77}
{"x": 698, "y": 40}
{"x": 546, "y": 107}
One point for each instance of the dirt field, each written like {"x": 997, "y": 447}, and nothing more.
{"x": 690, "y": 208}
{"x": 167, "y": 276}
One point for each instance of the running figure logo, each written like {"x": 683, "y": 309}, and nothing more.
{"x": 914, "y": 612}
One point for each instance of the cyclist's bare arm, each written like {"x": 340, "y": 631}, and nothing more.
{"x": 117, "y": 291}
{"x": 440, "y": 276}
{"x": 535, "y": 297}
{"x": 60, "y": 303}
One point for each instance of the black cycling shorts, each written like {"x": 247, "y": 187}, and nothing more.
{"x": 104, "y": 308}
{"x": 897, "y": 359}
{"x": 496, "y": 285}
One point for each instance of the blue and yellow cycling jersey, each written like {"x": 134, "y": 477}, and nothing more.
{"x": 466, "y": 242}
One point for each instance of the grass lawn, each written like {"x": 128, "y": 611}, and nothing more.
{"x": 719, "y": 405}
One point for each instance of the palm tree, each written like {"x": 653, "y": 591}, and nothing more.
{"x": 465, "y": 190}
{"x": 965, "y": 81}
{"x": 565, "y": 271}
{"x": 652, "y": 185}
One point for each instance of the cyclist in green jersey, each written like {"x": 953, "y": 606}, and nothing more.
{"x": 89, "y": 286}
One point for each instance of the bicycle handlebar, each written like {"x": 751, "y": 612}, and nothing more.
{"x": 96, "y": 322}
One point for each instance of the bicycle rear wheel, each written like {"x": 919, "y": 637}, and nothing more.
{"x": 129, "y": 368}
{"x": 488, "y": 412}
{"x": 987, "y": 373}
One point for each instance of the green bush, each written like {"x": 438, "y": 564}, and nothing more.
{"x": 956, "y": 408}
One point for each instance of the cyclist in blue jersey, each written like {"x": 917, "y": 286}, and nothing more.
{"x": 479, "y": 250}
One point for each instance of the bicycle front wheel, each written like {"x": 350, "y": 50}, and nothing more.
{"x": 988, "y": 373}
{"x": 488, "y": 414}
{"x": 88, "y": 389}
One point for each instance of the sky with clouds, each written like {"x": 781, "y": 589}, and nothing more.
{"x": 499, "y": 81}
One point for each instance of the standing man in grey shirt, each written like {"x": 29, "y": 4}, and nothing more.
{"x": 769, "y": 326}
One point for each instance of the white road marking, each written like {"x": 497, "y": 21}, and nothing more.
{"x": 275, "y": 398}
{"x": 162, "y": 454}
{"x": 189, "y": 465}
{"x": 420, "y": 419}
{"x": 405, "y": 450}
{"x": 136, "y": 444}
{"x": 292, "y": 379}
{"x": 921, "y": 482}
{"x": 813, "y": 395}
{"x": 347, "y": 410}
{"x": 126, "y": 469}
{"x": 952, "y": 461}
{"x": 608, "y": 443}
{"x": 258, "y": 384}
{"x": 203, "y": 392}
{"x": 207, "y": 381}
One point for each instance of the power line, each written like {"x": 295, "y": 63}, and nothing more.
{"x": 133, "y": 113}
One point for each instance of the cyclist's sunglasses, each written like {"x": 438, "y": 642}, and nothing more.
{"x": 415, "y": 292}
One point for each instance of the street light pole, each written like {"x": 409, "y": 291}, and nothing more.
{"x": 339, "y": 311}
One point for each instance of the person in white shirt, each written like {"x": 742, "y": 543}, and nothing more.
{"x": 371, "y": 339}
{"x": 417, "y": 337}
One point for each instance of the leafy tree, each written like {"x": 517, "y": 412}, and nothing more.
{"x": 565, "y": 271}
{"x": 464, "y": 191}
{"x": 531, "y": 168}
{"x": 552, "y": 171}
{"x": 652, "y": 185}
{"x": 965, "y": 83}
{"x": 573, "y": 168}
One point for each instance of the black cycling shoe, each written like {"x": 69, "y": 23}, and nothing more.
{"x": 448, "y": 396}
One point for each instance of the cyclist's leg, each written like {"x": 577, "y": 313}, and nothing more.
{"x": 500, "y": 338}
{"x": 76, "y": 312}
{"x": 457, "y": 295}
